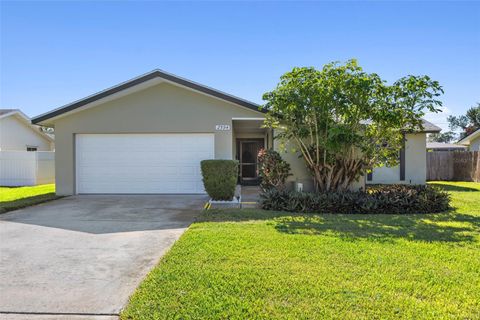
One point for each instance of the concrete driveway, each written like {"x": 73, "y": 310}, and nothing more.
{"x": 85, "y": 255}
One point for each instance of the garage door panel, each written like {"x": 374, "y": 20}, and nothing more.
{"x": 141, "y": 163}
{"x": 187, "y": 171}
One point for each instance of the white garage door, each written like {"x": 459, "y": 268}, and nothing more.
{"x": 141, "y": 163}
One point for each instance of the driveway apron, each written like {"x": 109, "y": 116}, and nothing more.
{"x": 85, "y": 255}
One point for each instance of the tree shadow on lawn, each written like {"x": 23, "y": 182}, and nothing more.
{"x": 447, "y": 227}
{"x": 442, "y": 227}
{"x": 451, "y": 187}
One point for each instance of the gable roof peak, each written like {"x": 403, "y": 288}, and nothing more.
{"x": 156, "y": 73}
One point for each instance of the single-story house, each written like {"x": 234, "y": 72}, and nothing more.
{"x": 443, "y": 146}
{"x": 472, "y": 141}
{"x": 17, "y": 133}
{"x": 149, "y": 134}
{"x": 412, "y": 168}
{"x": 19, "y": 166}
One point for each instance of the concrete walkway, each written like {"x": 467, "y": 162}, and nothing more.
{"x": 250, "y": 196}
{"x": 82, "y": 257}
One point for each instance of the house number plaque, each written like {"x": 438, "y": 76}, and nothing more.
{"x": 222, "y": 127}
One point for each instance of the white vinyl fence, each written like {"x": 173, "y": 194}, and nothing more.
{"x": 27, "y": 168}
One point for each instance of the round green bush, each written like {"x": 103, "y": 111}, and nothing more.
{"x": 220, "y": 178}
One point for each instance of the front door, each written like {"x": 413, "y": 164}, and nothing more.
{"x": 248, "y": 157}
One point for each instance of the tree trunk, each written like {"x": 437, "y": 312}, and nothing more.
{"x": 336, "y": 177}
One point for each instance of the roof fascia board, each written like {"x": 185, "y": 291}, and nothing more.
{"x": 54, "y": 114}
{"x": 470, "y": 137}
{"x": 94, "y": 97}
{"x": 211, "y": 96}
{"x": 145, "y": 85}
{"x": 15, "y": 112}
{"x": 208, "y": 90}
{"x": 247, "y": 119}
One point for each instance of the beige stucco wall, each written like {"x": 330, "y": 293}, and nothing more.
{"x": 163, "y": 108}
{"x": 474, "y": 145}
{"x": 16, "y": 135}
{"x": 415, "y": 164}
{"x": 300, "y": 173}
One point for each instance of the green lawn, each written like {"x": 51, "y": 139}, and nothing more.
{"x": 253, "y": 264}
{"x": 12, "y": 198}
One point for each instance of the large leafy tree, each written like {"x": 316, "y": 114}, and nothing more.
{"x": 445, "y": 137}
{"x": 467, "y": 123}
{"x": 344, "y": 121}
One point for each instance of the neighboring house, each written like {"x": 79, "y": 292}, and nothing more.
{"x": 472, "y": 141}
{"x": 17, "y": 133}
{"x": 149, "y": 134}
{"x": 19, "y": 166}
{"x": 442, "y": 146}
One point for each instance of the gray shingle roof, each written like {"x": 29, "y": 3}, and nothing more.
{"x": 442, "y": 145}
{"x": 430, "y": 127}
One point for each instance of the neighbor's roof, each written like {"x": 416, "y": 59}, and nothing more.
{"x": 6, "y": 111}
{"x": 10, "y": 112}
{"x": 442, "y": 145}
{"x": 430, "y": 127}
{"x": 23, "y": 117}
{"x": 470, "y": 137}
{"x": 157, "y": 73}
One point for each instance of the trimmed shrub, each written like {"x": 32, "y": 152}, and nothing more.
{"x": 220, "y": 178}
{"x": 273, "y": 170}
{"x": 388, "y": 199}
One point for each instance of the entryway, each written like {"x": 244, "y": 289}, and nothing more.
{"x": 247, "y": 151}
{"x": 250, "y": 136}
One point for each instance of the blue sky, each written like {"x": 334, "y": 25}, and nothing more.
{"x": 53, "y": 53}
